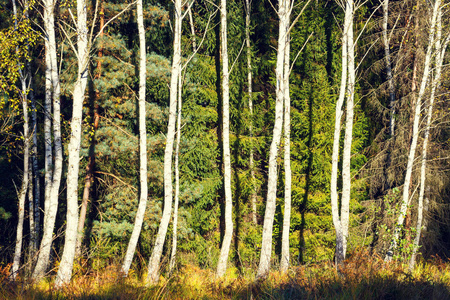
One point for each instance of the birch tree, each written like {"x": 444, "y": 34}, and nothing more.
{"x": 248, "y": 7}
{"x": 154, "y": 264}
{"x": 284, "y": 10}
{"x": 52, "y": 174}
{"x": 439, "y": 59}
{"x": 341, "y": 217}
{"x": 415, "y": 134}
{"x": 387, "y": 56}
{"x": 142, "y": 144}
{"x": 177, "y": 180}
{"x": 90, "y": 168}
{"x": 26, "y": 157}
{"x": 226, "y": 243}
{"x": 284, "y": 264}
{"x": 65, "y": 268}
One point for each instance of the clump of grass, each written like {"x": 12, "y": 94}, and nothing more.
{"x": 362, "y": 277}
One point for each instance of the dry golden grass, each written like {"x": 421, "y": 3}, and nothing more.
{"x": 361, "y": 278}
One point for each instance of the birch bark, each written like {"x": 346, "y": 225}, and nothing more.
{"x": 284, "y": 265}
{"x": 226, "y": 243}
{"x": 142, "y": 144}
{"x": 26, "y": 158}
{"x": 52, "y": 174}
{"x": 266, "y": 244}
{"x": 90, "y": 168}
{"x": 387, "y": 55}
{"x": 337, "y": 221}
{"x": 66, "y": 266}
{"x": 177, "y": 182}
{"x": 439, "y": 59}
{"x": 250, "y": 108}
{"x": 413, "y": 146}
{"x": 346, "y": 155}
{"x": 154, "y": 264}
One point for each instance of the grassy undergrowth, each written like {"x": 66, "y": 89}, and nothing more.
{"x": 361, "y": 278}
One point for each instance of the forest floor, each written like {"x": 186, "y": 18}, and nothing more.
{"x": 361, "y": 278}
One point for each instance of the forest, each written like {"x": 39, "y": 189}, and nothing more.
{"x": 224, "y": 149}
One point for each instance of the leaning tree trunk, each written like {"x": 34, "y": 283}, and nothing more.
{"x": 440, "y": 53}
{"x": 412, "y": 151}
{"x": 154, "y": 264}
{"x": 66, "y": 266}
{"x": 142, "y": 144}
{"x": 284, "y": 264}
{"x": 266, "y": 244}
{"x": 226, "y": 243}
{"x": 52, "y": 174}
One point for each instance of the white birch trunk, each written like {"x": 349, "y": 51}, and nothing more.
{"x": 440, "y": 53}
{"x": 250, "y": 108}
{"x": 335, "y": 155}
{"x": 284, "y": 264}
{"x": 25, "y": 179}
{"x": 266, "y": 244}
{"x": 142, "y": 145}
{"x": 154, "y": 264}
{"x": 66, "y": 266}
{"x": 412, "y": 152}
{"x": 52, "y": 174}
{"x": 177, "y": 183}
{"x": 191, "y": 23}
{"x": 23, "y": 190}
{"x": 346, "y": 155}
{"x": 34, "y": 177}
{"x": 387, "y": 55}
{"x": 226, "y": 243}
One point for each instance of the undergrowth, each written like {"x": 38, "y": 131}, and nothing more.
{"x": 362, "y": 277}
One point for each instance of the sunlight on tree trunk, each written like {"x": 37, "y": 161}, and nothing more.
{"x": 439, "y": 59}
{"x": 413, "y": 146}
{"x": 142, "y": 145}
{"x": 154, "y": 264}
{"x": 226, "y": 243}
{"x": 65, "y": 268}
{"x": 284, "y": 8}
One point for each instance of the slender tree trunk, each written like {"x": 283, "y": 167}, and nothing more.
{"x": 340, "y": 248}
{"x": 177, "y": 182}
{"x": 253, "y": 196}
{"x": 191, "y": 23}
{"x": 154, "y": 264}
{"x": 412, "y": 152}
{"x": 346, "y": 155}
{"x": 387, "y": 56}
{"x": 440, "y": 53}
{"x": 284, "y": 265}
{"x": 90, "y": 169}
{"x": 142, "y": 144}
{"x": 52, "y": 174}
{"x": 226, "y": 243}
{"x": 34, "y": 183}
{"x": 23, "y": 190}
{"x": 266, "y": 244}
{"x": 66, "y": 266}
{"x": 26, "y": 158}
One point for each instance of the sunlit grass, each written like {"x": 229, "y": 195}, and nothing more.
{"x": 361, "y": 278}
